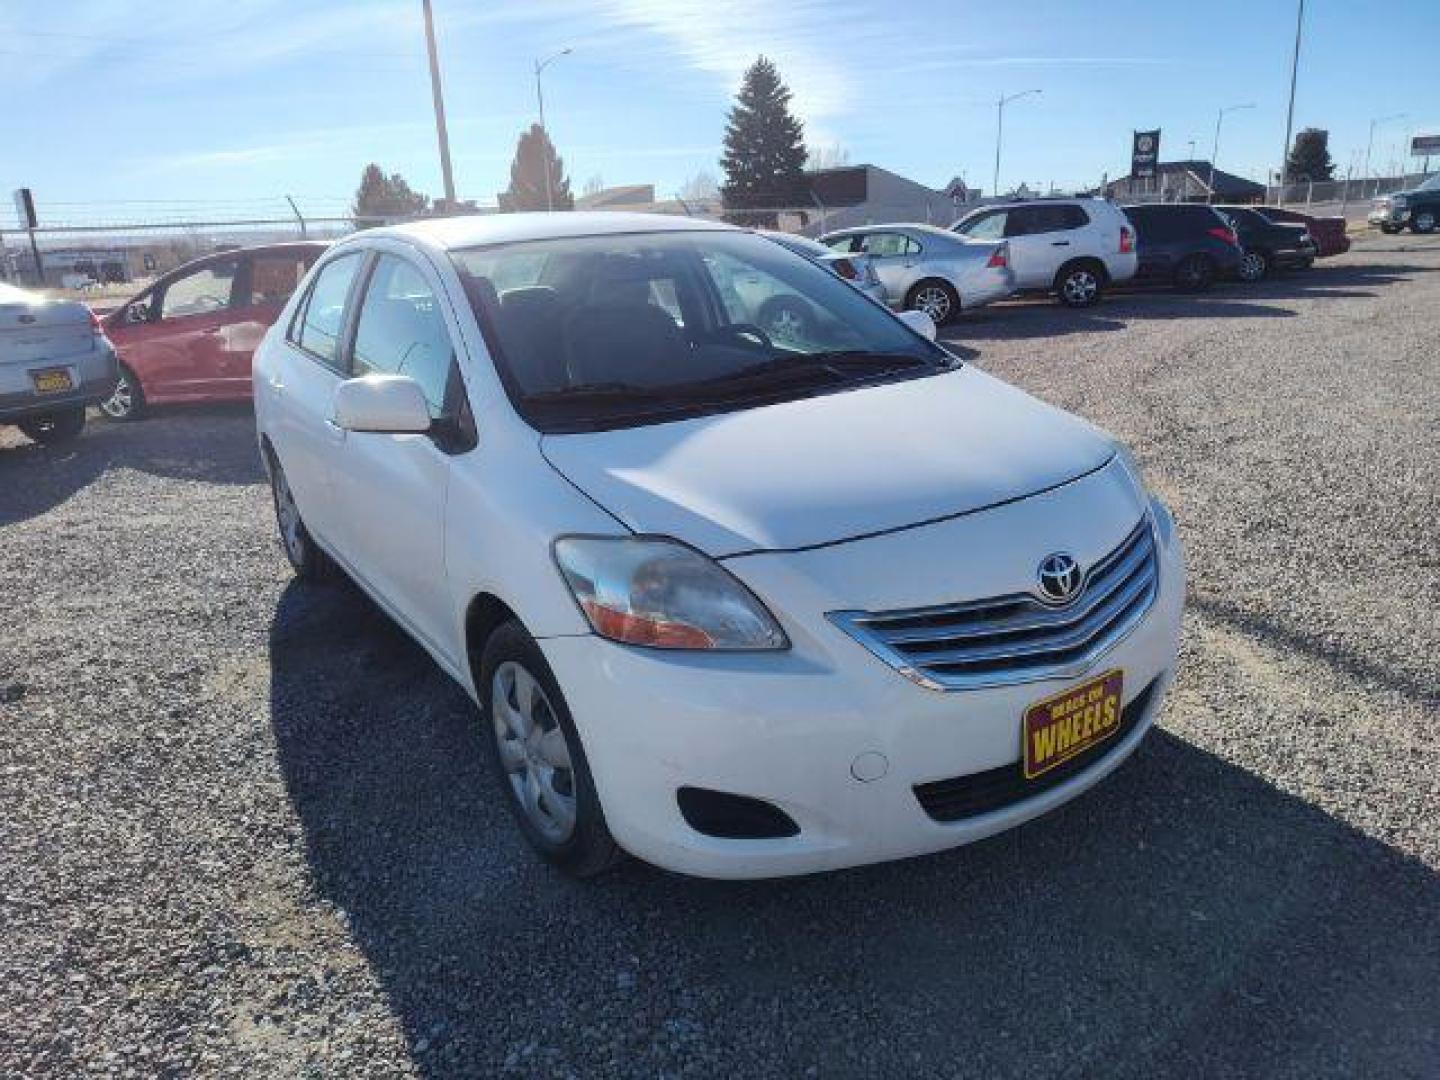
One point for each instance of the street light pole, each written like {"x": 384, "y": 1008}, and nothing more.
{"x": 1370, "y": 143}
{"x": 1290, "y": 112}
{"x": 1000, "y": 133}
{"x": 1215, "y": 149}
{"x": 440, "y": 131}
{"x": 541, "y": 65}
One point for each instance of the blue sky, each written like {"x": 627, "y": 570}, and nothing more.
{"x": 223, "y": 103}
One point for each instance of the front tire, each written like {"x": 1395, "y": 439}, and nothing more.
{"x": 1079, "y": 286}
{"x": 1423, "y": 222}
{"x": 1196, "y": 273}
{"x": 128, "y": 400}
{"x": 304, "y": 555}
{"x": 539, "y": 758}
{"x": 936, "y": 298}
{"x": 56, "y": 427}
{"x": 1254, "y": 266}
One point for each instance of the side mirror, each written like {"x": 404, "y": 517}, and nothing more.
{"x": 392, "y": 404}
{"x": 918, "y": 321}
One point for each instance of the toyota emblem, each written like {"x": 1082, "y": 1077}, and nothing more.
{"x": 1059, "y": 576}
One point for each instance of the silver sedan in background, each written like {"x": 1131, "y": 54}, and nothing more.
{"x": 858, "y": 270}
{"x": 928, "y": 269}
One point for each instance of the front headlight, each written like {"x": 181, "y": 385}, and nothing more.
{"x": 656, "y": 592}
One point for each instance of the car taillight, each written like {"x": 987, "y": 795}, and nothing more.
{"x": 1228, "y": 235}
{"x": 1000, "y": 258}
{"x": 846, "y": 269}
{"x": 1127, "y": 241}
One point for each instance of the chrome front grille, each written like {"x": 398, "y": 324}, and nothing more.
{"x": 1019, "y": 637}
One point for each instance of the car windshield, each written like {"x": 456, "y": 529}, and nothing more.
{"x": 598, "y": 332}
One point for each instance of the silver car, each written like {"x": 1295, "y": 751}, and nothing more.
{"x": 54, "y": 361}
{"x": 858, "y": 270}
{"x": 931, "y": 270}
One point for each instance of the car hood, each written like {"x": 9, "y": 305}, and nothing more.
{"x": 834, "y": 467}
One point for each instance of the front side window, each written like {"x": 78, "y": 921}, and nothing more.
{"x": 402, "y": 331}
{"x": 322, "y": 318}
{"x": 633, "y": 329}
{"x": 201, "y": 292}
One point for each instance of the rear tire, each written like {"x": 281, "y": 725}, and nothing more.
{"x": 1196, "y": 273}
{"x": 128, "y": 400}
{"x": 303, "y": 554}
{"x": 936, "y": 298}
{"x": 538, "y": 756}
{"x": 1423, "y": 222}
{"x": 1254, "y": 266}
{"x": 1080, "y": 285}
{"x": 56, "y": 427}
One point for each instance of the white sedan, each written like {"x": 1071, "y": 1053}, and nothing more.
{"x": 737, "y": 606}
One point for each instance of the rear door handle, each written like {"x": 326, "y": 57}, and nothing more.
{"x": 1060, "y": 243}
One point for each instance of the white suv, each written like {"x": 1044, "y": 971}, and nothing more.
{"x": 739, "y": 605}
{"x": 1074, "y": 248}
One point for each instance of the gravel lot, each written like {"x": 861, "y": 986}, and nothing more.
{"x": 248, "y": 829}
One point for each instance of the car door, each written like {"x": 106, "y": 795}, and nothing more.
{"x": 389, "y": 490}
{"x": 179, "y": 353}
{"x": 893, "y": 256}
{"x": 266, "y": 282}
{"x": 299, "y": 389}
{"x": 1154, "y": 241}
{"x": 1039, "y": 244}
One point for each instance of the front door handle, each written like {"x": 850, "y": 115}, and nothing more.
{"x": 1060, "y": 243}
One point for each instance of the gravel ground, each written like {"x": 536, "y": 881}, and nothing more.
{"x": 248, "y": 829}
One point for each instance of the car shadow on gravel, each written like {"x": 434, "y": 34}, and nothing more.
{"x": 1184, "y": 918}
{"x": 214, "y": 444}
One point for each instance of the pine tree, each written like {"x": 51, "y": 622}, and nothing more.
{"x": 528, "y": 173}
{"x": 1310, "y": 157}
{"x": 764, "y": 158}
{"x": 380, "y": 197}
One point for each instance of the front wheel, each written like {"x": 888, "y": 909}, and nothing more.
{"x": 935, "y": 298}
{"x": 537, "y": 753}
{"x": 1196, "y": 273}
{"x": 128, "y": 400}
{"x": 1254, "y": 266}
{"x": 55, "y": 427}
{"x": 1423, "y": 221}
{"x": 1079, "y": 286}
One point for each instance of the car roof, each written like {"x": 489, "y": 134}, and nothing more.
{"x": 256, "y": 249}
{"x": 900, "y": 227}
{"x": 479, "y": 230}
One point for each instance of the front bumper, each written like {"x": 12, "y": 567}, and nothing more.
{"x": 93, "y": 376}
{"x": 798, "y": 729}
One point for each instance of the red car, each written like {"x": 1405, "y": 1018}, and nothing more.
{"x": 1328, "y": 232}
{"x": 189, "y": 336}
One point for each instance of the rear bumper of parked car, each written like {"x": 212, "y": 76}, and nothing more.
{"x": 987, "y": 286}
{"x": 828, "y": 733}
{"x": 1301, "y": 256}
{"x": 93, "y": 376}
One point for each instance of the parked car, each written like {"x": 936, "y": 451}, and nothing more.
{"x": 1419, "y": 208}
{"x": 1268, "y": 245}
{"x": 1186, "y": 245}
{"x": 54, "y": 361}
{"x": 928, "y": 269}
{"x": 1327, "y": 232}
{"x": 188, "y": 338}
{"x": 1074, "y": 248}
{"x": 738, "y": 608}
{"x": 857, "y": 269}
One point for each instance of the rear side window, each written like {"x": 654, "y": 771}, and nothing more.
{"x": 321, "y": 318}
{"x": 274, "y": 277}
{"x": 1045, "y": 218}
{"x": 402, "y": 331}
{"x": 887, "y": 244}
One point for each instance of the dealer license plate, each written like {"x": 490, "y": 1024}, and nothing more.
{"x": 53, "y": 381}
{"x": 1066, "y": 725}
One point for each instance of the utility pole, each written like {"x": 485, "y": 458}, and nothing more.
{"x": 1215, "y": 150}
{"x": 541, "y": 65}
{"x": 1370, "y": 143}
{"x": 440, "y": 132}
{"x": 1000, "y": 133}
{"x": 1290, "y": 112}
